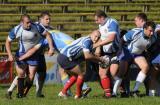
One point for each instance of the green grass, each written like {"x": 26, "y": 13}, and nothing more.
{"x": 95, "y": 98}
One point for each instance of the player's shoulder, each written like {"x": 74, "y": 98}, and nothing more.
{"x": 135, "y": 30}
{"x": 87, "y": 40}
{"x": 112, "y": 20}
{"x": 18, "y": 26}
{"x": 16, "y": 29}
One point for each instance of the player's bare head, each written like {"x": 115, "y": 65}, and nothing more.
{"x": 100, "y": 16}
{"x": 100, "y": 13}
{"x": 140, "y": 19}
{"x": 142, "y": 16}
{"x": 44, "y": 18}
{"x": 26, "y": 21}
{"x": 44, "y": 13}
{"x": 149, "y": 28}
{"x": 24, "y": 16}
{"x": 95, "y": 35}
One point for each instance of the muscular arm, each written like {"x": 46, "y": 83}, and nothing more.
{"x": 50, "y": 43}
{"x": 8, "y": 49}
{"x": 89, "y": 56}
{"x": 30, "y": 52}
{"x": 98, "y": 51}
{"x": 108, "y": 40}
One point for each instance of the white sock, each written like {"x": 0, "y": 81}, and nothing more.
{"x": 140, "y": 78}
{"x": 14, "y": 83}
{"x": 117, "y": 83}
{"x": 152, "y": 92}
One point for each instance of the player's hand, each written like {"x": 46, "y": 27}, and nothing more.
{"x": 10, "y": 58}
{"x": 51, "y": 52}
{"x": 17, "y": 58}
{"x": 106, "y": 59}
{"x": 105, "y": 62}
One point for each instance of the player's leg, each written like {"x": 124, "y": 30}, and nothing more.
{"x": 40, "y": 76}
{"x": 158, "y": 82}
{"x": 77, "y": 76}
{"x": 79, "y": 82}
{"x": 29, "y": 81}
{"x": 153, "y": 82}
{"x": 11, "y": 88}
{"x": 105, "y": 81}
{"x": 126, "y": 84}
{"x": 21, "y": 76}
{"x": 143, "y": 65}
{"x": 123, "y": 65}
{"x": 64, "y": 79}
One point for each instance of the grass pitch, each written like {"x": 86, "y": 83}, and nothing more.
{"x": 94, "y": 98}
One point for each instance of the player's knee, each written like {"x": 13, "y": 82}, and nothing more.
{"x": 145, "y": 68}
{"x": 102, "y": 75}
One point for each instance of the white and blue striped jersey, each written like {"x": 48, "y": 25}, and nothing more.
{"x": 110, "y": 26}
{"x": 27, "y": 38}
{"x": 137, "y": 42}
{"x": 77, "y": 48}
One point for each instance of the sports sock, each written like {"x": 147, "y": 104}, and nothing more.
{"x": 20, "y": 86}
{"x": 40, "y": 78}
{"x": 126, "y": 85}
{"x": 14, "y": 83}
{"x": 64, "y": 79}
{"x": 106, "y": 86}
{"x": 117, "y": 83}
{"x": 140, "y": 78}
{"x": 152, "y": 92}
{"x": 69, "y": 83}
{"x": 79, "y": 84}
{"x": 28, "y": 85}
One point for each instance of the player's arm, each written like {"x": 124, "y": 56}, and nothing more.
{"x": 111, "y": 34}
{"x": 8, "y": 49}
{"x": 9, "y": 39}
{"x": 49, "y": 39}
{"x": 30, "y": 52}
{"x": 108, "y": 40}
{"x": 50, "y": 43}
{"x": 126, "y": 38}
{"x": 89, "y": 56}
{"x": 98, "y": 51}
{"x": 87, "y": 47}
